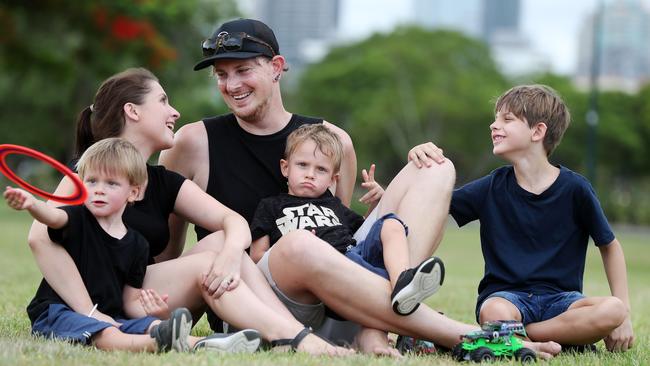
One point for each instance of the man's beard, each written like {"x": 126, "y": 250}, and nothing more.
{"x": 254, "y": 116}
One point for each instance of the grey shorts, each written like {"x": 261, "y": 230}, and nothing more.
{"x": 310, "y": 315}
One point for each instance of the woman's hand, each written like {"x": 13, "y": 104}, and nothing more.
{"x": 225, "y": 272}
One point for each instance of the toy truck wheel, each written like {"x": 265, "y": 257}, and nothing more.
{"x": 482, "y": 354}
{"x": 458, "y": 353}
{"x": 525, "y": 355}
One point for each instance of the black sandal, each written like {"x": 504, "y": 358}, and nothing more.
{"x": 295, "y": 342}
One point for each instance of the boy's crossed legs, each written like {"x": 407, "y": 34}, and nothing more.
{"x": 568, "y": 318}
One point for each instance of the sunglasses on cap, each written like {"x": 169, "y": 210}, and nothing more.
{"x": 230, "y": 42}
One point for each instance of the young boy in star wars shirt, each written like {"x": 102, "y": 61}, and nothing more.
{"x": 313, "y": 158}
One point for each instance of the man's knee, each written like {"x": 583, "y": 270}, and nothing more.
{"x": 443, "y": 175}
{"x": 296, "y": 246}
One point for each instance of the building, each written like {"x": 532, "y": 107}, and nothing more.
{"x": 622, "y": 53}
{"x": 496, "y": 22}
{"x": 304, "y": 28}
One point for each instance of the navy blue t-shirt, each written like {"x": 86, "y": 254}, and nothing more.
{"x": 535, "y": 243}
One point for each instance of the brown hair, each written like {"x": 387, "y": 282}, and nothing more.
{"x": 114, "y": 156}
{"x": 326, "y": 141}
{"x": 538, "y": 103}
{"x": 105, "y": 117}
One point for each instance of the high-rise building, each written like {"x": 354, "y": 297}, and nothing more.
{"x": 624, "y": 54}
{"x": 496, "y": 22}
{"x": 463, "y": 16}
{"x": 303, "y": 28}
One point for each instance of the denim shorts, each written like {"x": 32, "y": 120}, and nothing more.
{"x": 369, "y": 253}
{"x": 61, "y": 322}
{"x": 536, "y": 308}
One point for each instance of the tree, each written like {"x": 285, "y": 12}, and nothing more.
{"x": 392, "y": 91}
{"x": 54, "y": 59}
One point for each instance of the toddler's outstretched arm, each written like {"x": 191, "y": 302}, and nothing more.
{"x": 19, "y": 199}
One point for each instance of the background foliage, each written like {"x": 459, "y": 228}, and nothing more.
{"x": 389, "y": 91}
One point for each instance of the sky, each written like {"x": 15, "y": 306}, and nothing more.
{"x": 552, "y": 26}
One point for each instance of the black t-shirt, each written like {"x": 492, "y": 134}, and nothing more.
{"x": 106, "y": 264}
{"x": 150, "y": 215}
{"x": 534, "y": 243}
{"x": 244, "y": 168}
{"x": 327, "y": 215}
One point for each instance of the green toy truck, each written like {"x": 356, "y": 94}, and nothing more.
{"x": 495, "y": 339}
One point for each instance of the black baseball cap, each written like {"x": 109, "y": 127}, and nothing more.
{"x": 254, "y": 39}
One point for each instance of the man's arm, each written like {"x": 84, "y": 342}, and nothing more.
{"x": 613, "y": 258}
{"x": 348, "y": 172}
{"x": 259, "y": 247}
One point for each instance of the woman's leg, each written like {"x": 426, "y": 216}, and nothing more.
{"x": 182, "y": 280}
{"x": 250, "y": 273}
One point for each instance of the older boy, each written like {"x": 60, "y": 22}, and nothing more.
{"x": 536, "y": 220}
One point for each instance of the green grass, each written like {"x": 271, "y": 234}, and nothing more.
{"x": 464, "y": 265}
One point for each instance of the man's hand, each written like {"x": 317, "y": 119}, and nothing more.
{"x": 426, "y": 154}
{"x": 622, "y": 338}
{"x": 154, "y": 304}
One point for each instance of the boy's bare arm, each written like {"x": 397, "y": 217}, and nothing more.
{"x": 259, "y": 247}
{"x": 19, "y": 199}
{"x": 622, "y": 338}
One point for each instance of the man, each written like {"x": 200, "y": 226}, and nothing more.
{"x": 235, "y": 158}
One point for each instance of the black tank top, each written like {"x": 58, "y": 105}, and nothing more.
{"x": 244, "y": 168}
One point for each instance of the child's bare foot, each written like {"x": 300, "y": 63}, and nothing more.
{"x": 544, "y": 350}
{"x": 374, "y": 341}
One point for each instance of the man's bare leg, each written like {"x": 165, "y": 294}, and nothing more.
{"x": 421, "y": 197}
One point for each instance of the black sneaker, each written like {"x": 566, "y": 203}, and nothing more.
{"x": 244, "y": 341}
{"x": 416, "y": 284}
{"x": 171, "y": 334}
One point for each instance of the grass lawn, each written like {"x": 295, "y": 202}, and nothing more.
{"x": 460, "y": 251}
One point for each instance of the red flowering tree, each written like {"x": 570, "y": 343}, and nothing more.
{"x": 55, "y": 53}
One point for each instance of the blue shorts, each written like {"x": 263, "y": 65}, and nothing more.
{"x": 536, "y": 308}
{"x": 61, "y": 322}
{"x": 369, "y": 253}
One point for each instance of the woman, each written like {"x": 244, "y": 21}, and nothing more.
{"x": 132, "y": 105}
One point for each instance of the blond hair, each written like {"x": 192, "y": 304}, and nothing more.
{"x": 326, "y": 141}
{"x": 538, "y": 103}
{"x": 114, "y": 156}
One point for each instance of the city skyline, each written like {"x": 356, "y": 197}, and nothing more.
{"x": 551, "y": 26}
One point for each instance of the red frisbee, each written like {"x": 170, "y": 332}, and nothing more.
{"x": 76, "y": 198}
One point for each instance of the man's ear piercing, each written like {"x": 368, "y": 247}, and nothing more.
{"x": 277, "y": 77}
